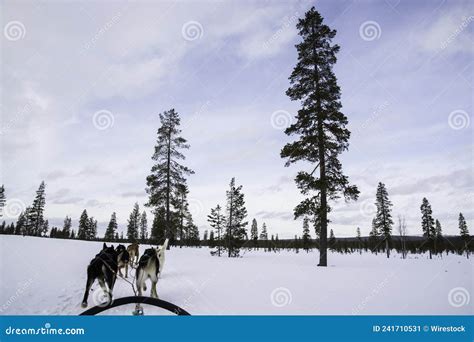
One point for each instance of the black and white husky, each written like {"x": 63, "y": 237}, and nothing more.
{"x": 148, "y": 268}
{"x": 103, "y": 268}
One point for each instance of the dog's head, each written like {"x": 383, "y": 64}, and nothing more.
{"x": 108, "y": 252}
{"x": 122, "y": 254}
{"x": 108, "y": 249}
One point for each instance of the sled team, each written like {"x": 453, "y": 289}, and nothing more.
{"x": 110, "y": 261}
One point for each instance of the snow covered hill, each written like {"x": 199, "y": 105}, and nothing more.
{"x": 47, "y": 276}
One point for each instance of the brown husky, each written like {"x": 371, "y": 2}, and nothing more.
{"x": 134, "y": 253}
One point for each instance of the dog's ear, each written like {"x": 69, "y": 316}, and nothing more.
{"x": 104, "y": 246}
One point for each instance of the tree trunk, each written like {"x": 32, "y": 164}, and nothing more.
{"x": 323, "y": 210}
{"x": 386, "y": 247}
{"x": 168, "y": 190}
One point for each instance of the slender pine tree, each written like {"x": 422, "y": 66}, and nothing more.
{"x": 2, "y": 199}
{"x": 235, "y": 219}
{"x": 264, "y": 233}
{"x": 82, "y": 231}
{"x": 383, "y": 217}
{"x": 464, "y": 232}
{"x": 167, "y": 174}
{"x": 427, "y": 224}
{"x": 306, "y": 236}
{"x": 143, "y": 226}
{"x": 320, "y": 125}
{"x": 438, "y": 239}
{"x": 254, "y": 233}
{"x": 67, "y": 225}
{"x": 216, "y": 220}
{"x": 35, "y": 214}
{"x": 111, "y": 228}
{"x": 133, "y": 223}
{"x": 359, "y": 240}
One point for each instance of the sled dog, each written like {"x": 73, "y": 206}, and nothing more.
{"x": 123, "y": 258}
{"x": 134, "y": 253}
{"x": 103, "y": 268}
{"x": 148, "y": 268}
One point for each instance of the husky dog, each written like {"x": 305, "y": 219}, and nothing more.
{"x": 148, "y": 267}
{"x": 161, "y": 255}
{"x": 134, "y": 253}
{"x": 123, "y": 257}
{"x": 103, "y": 268}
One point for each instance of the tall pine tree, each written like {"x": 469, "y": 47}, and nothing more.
{"x": 254, "y": 233}
{"x": 2, "y": 199}
{"x": 383, "y": 217}
{"x": 438, "y": 239}
{"x": 235, "y": 217}
{"x": 216, "y": 220}
{"x": 320, "y": 125}
{"x": 306, "y": 235}
{"x": 167, "y": 174}
{"x": 427, "y": 224}
{"x": 111, "y": 228}
{"x": 143, "y": 226}
{"x": 264, "y": 233}
{"x": 82, "y": 230}
{"x": 464, "y": 232}
{"x": 133, "y": 223}
{"x": 66, "y": 232}
{"x": 35, "y": 214}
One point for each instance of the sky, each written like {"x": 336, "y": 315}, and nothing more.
{"x": 83, "y": 82}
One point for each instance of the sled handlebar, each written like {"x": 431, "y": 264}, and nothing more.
{"x": 136, "y": 300}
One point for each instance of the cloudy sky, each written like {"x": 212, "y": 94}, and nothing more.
{"x": 83, "y": 82}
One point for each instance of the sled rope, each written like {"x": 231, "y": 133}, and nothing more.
{"x": 118, "y": 275}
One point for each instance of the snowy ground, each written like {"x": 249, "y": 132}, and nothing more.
{"x": 47, "y": 276}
